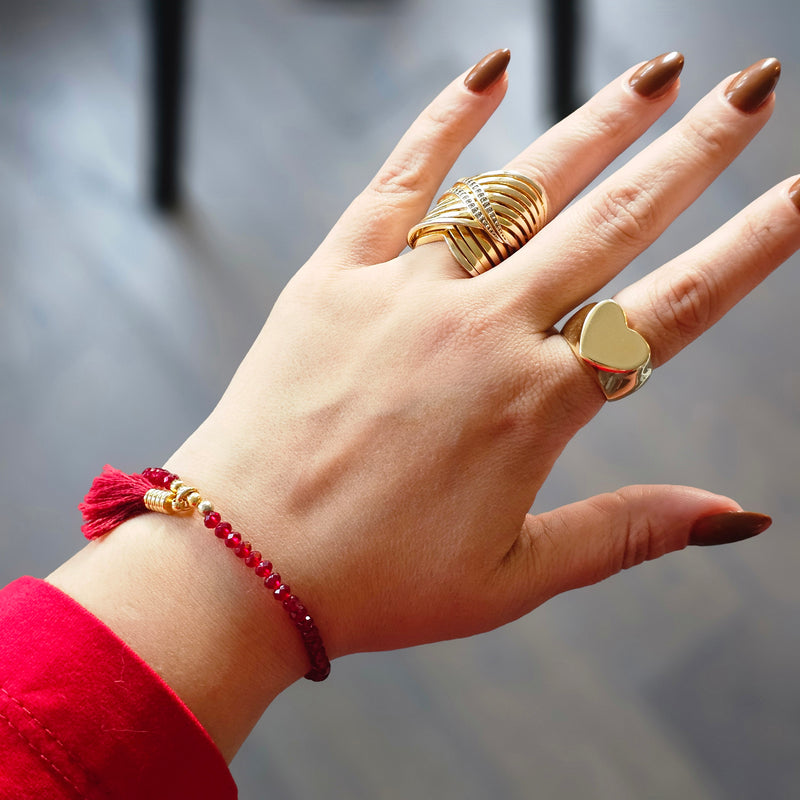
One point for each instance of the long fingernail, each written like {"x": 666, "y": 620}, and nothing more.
{"x": 752, "y": 86}
{"x": 794, "y": 193}
{"x": 730, "y": 526}
{"x": 654, "y": 78}
{"x": 487, "y": 71}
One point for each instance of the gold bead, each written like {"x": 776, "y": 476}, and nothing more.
{"x": 194, "y": 499}
{"x": 181, "y": 501}
{"x": 158, "y": 500}
{"x": 205, "y": 507}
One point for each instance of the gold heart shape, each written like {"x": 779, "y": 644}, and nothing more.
{"x": 608, "y": 343}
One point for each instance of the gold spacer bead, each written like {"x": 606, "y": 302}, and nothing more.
{"x": 194, "y": 499}
{"x": 158, "y": 500}
{"x": 205, "y": 507}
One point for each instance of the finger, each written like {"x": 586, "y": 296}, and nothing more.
{"x": 675, "y": 304}
{"x": 373, "y": 229}
{"x": 629, "y": 210}
{"x": 572, "y": 153}
{"x": 586, "y": 542}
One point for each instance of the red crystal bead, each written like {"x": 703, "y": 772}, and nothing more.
{"x": 272, "y": 581}
{"x": 264, "y": 568}
{"x": 290, "y": 602}
{"x": 159, "y": 477}
{"x": 253, "y": 558}
{"x": 212, "y": 519}
{"x": 305, "y": 623}
{"x": 233, "y": 539}
{"x": 283, "y": 592}
{"x": 243, "y": 550}
{"x": 222, "y": 530}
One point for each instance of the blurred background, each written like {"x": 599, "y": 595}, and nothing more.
{"x": 120, "y": 326}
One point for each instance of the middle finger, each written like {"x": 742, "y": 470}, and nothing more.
{"x": 577, "y": 253}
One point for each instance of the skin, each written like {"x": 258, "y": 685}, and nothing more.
{"x": 385, "y": 437}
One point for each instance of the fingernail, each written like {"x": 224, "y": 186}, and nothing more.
{"x": 752, "y": 86}
{"x": 654, "y": 78}
{"x": 730, "y": 526}
{"x": 794, "y": 193}
{"x": 487, "y": 71}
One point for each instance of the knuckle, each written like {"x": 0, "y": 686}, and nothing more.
{"x": 400, "y": 176}
{"x": 642, "y": 540}
{"x": 761, "y": 243}
{"x": 626, "y": 214}
{"x": 409, "y": 166}
{"x": 688, "y": 305}
{"x": 640, "y": 544}
{"x": 607, "y": 122}
{"x": 709, "y": 138}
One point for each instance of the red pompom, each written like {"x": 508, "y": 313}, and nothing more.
{"x": 114, "y": 497}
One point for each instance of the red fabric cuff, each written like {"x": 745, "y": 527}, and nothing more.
{"x": 81, "y": 715}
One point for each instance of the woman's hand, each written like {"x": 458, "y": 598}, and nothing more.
{"x": 383, "y": 441}
{"x": 387, "y": 434}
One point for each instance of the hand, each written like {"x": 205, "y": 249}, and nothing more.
{"x": 387, "y": 434}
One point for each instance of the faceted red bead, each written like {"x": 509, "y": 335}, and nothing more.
{"x": 264, "y": 568}
{"x": 305, "y": 623}
{"x": 283, "y": 592}
{"x": 212, "y": 519}
{"x": 243, "y": 550}
{"x": 253, "y": 558}
{"x": 222, "y": 530}
{"x": 289, "y": 602}
{"x": 159, "y": 477}
{"x": 233, "y": 539}
{"x": 272, "y": 581}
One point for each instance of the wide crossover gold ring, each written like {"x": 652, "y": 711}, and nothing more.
{"x": 484, "y": 219}
{"x": 618, "y": 356}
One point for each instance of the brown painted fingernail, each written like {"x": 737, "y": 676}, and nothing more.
{"x": 752, "y": 86}
{"x": 655, "y": 78}
{"x": 487, "y": 71}
{"x": 794, "y": 193}
{"x": 730, "y": 526}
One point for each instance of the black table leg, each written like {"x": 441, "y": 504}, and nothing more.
{"x": 167, "y": 24}
{"x": 564, "y": 62}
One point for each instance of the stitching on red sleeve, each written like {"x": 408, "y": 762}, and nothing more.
{"x": 44, "y": 758}
{"x": 76, "y": 762}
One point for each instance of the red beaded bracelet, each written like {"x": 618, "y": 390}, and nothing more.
{"x": 116, "y": 496}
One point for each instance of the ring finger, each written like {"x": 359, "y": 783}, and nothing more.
{"x": 675, "y": 304}
{"x": 585, "y": 246}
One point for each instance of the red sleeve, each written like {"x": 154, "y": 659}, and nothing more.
{"x": 82, "y": 716}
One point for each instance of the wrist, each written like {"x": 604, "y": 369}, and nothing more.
{"x": 168, "y": 589}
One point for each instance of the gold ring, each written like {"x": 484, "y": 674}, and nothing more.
{"x": 617, "y": 355}
{"x": 484, "y": 219}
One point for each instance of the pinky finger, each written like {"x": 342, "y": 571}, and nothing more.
{"x": 675, "y": 304}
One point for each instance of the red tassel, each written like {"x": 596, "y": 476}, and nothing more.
{"x": 113, "y": 498}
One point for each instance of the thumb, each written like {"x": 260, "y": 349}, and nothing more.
{"x": 586, "y": 542}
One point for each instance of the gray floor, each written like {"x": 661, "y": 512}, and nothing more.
{"x": 118, "y": 330}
